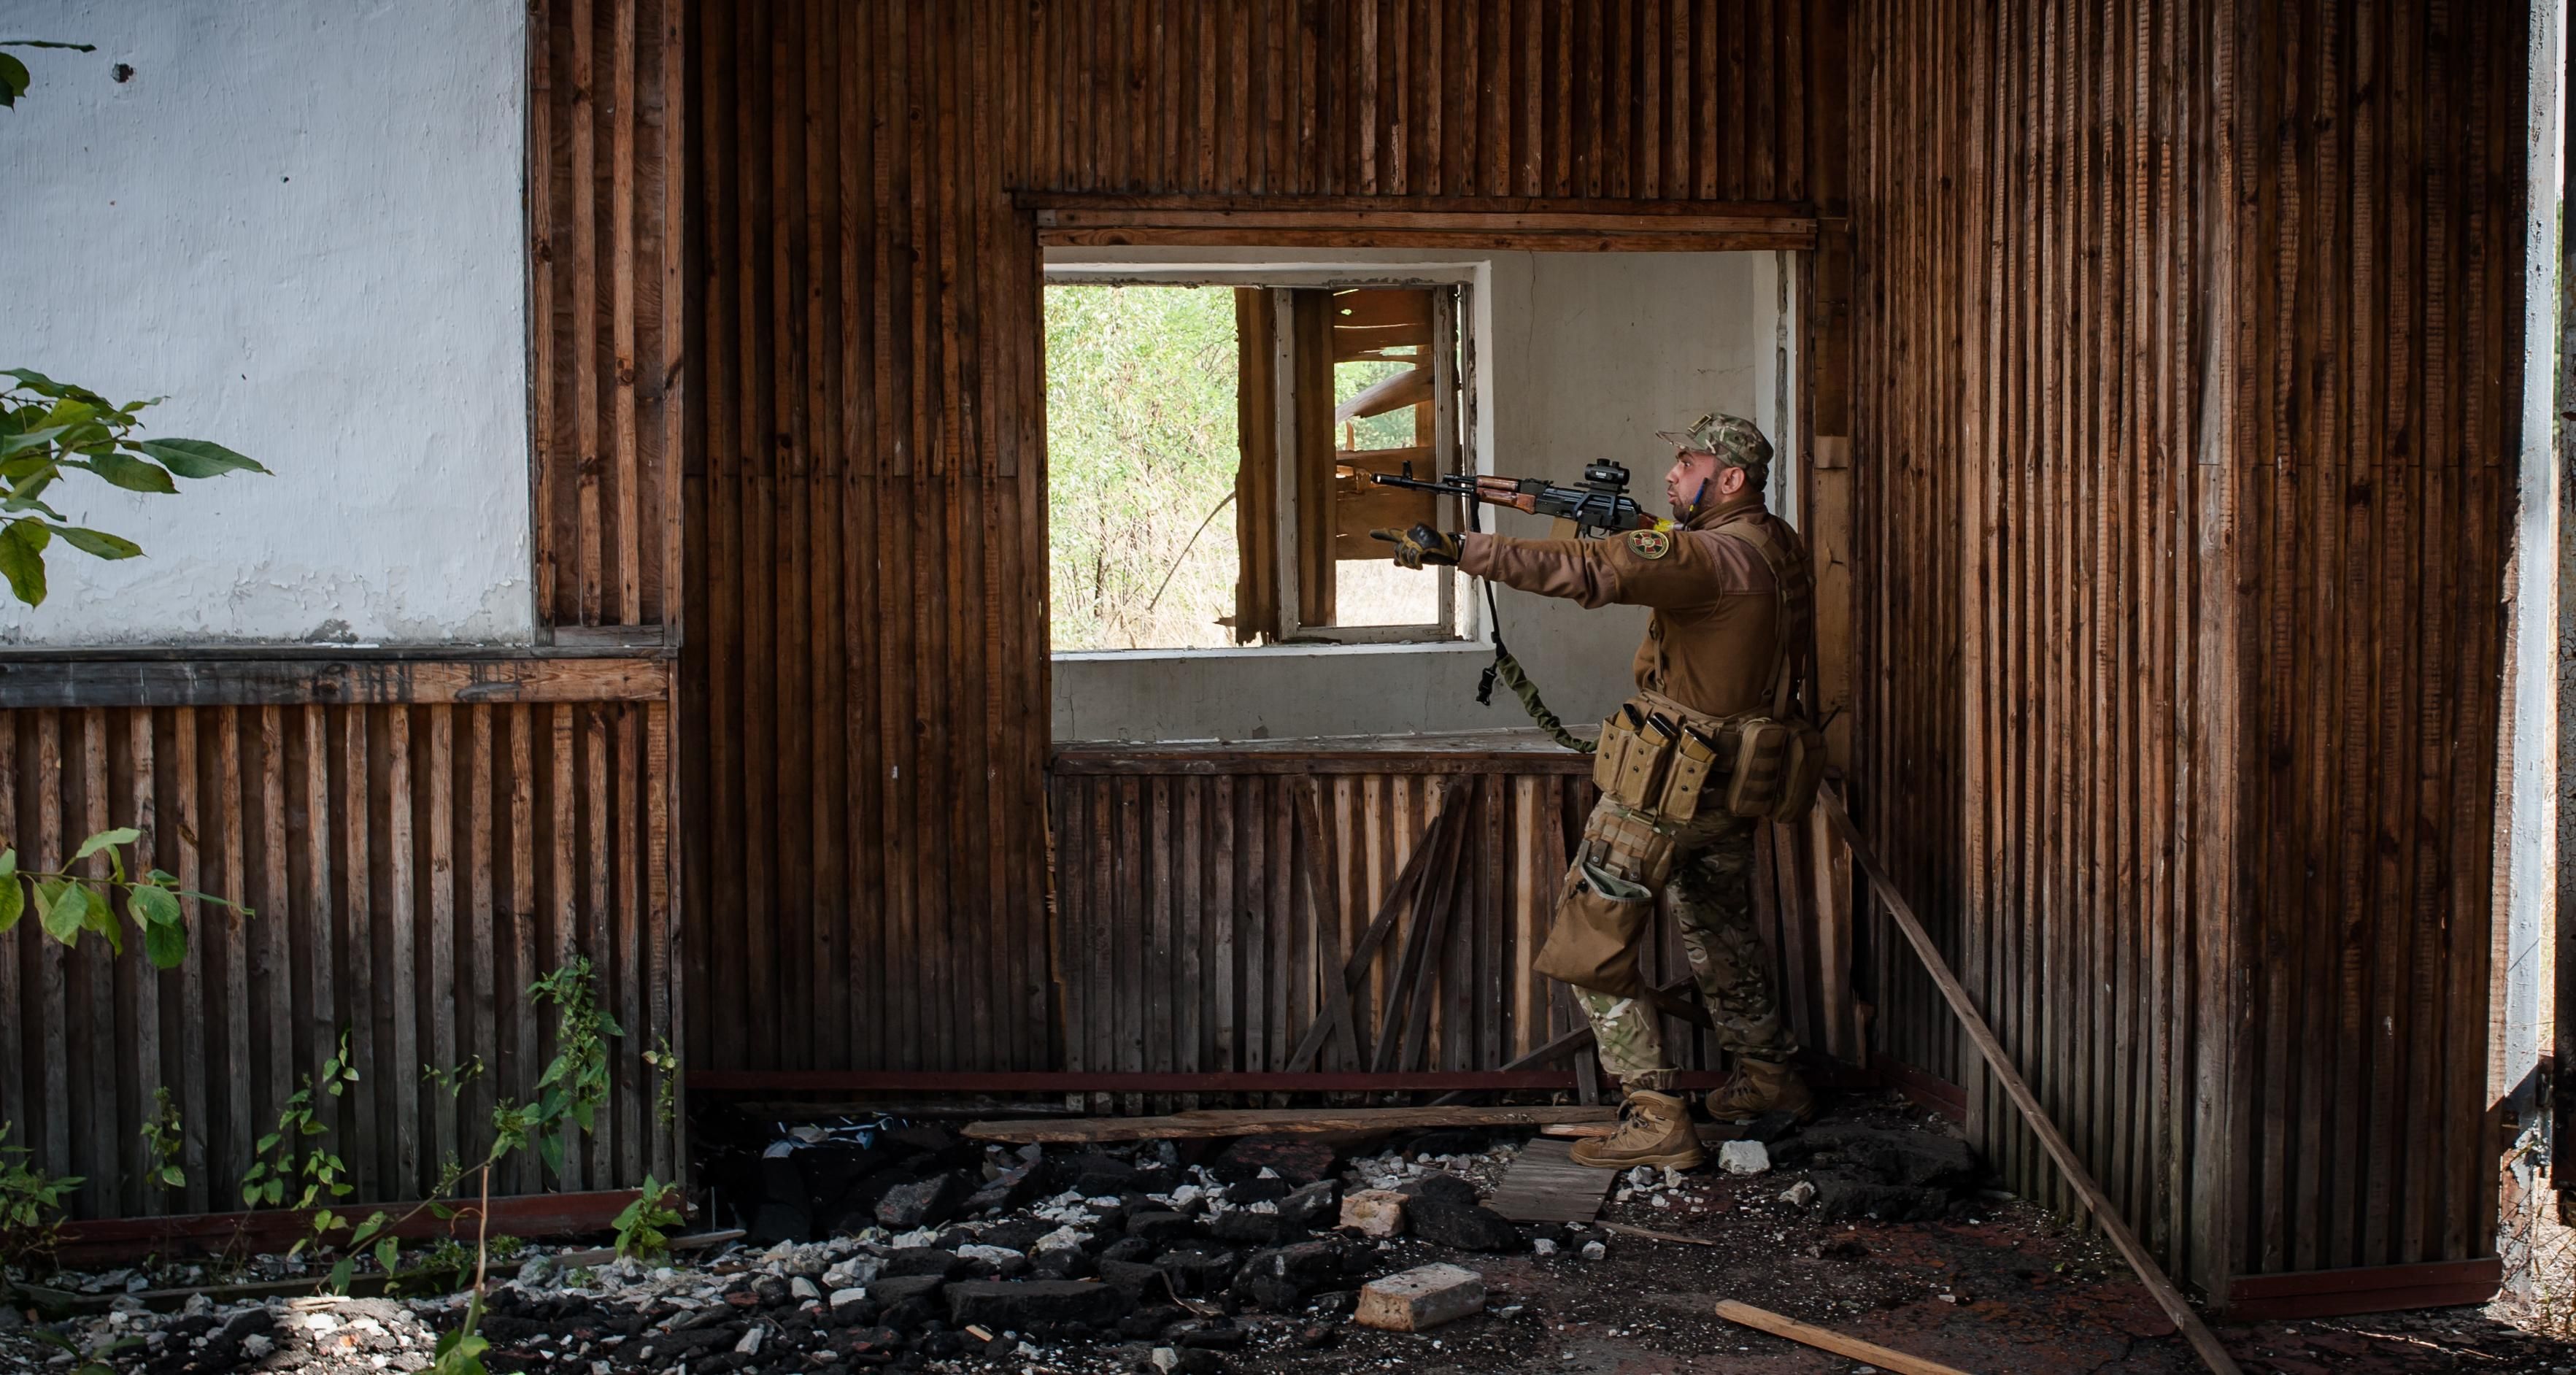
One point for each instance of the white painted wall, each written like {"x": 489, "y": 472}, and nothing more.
{"x": 1586, "y": 356}
{"x": 299, "y": 220}
{"x": 2531, "y": 821}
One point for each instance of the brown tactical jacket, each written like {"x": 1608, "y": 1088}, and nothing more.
{"x": 1715, "y": 634}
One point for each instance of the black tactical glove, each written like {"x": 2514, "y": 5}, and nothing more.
{"x": 1422, "y": 545}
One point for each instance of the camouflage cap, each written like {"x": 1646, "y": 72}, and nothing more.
{"x": 1735, "y": 440}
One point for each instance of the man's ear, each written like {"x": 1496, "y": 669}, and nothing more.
{"x": 1730, "y": 479}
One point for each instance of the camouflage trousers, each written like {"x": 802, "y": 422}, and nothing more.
{"x": 1712, "y": 900}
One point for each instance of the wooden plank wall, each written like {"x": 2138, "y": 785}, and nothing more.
{"x": 2184, "y": 417}
{"x": 412, "y": 867}
{"x": 865, "y": 679}
{"x": 1207, "y": 900}
{"x": 606, "y": 306}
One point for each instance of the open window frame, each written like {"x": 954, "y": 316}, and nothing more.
{"x": 1292, "y": 488}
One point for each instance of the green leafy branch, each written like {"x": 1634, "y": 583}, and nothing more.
{"x": 31, "y": 1205}
{"x": 576, "y": 1083}
{"x": 643, "y": 1228}
{"x": 49, "y": 427}
{"x": 68, "y": 904}
{"x": 571, "y": 1090}
{"x": 313, "y": 1172}
{"x": 14, "y": 78}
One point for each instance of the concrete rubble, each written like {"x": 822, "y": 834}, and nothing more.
{"x": 1199, "y": 1257}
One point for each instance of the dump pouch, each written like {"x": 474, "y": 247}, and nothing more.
{"x": 1599, "y": 919}
{"x": 1608, "y": 895}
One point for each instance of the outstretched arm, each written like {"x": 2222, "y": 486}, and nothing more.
{"x": 1643, "y": 568}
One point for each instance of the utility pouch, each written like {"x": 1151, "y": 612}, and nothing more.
{"x": 1802, "y": 772}
{"x": 1641, "y": 772}
{"x": 1693, "y": 760}
{"x": 1760, "y": 772}
{"x": 1617, "y": 738}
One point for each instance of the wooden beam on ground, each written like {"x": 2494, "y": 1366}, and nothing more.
{"x": 2077, "y": 1177}
{"x": 1271, "y": 1122}
{"x": 1543, "y": 1184}
{"x": 1140, "y": 1081}
{"x": 1822, "y": 1339}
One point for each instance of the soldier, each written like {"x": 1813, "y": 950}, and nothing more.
{"x": 1731, "y": 593}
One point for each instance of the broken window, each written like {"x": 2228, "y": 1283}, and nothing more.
{"x": 1209, "y": 456}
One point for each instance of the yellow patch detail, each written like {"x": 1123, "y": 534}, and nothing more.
{"x": 1649, "y": 544}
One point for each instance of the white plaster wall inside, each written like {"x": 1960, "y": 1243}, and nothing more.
{"x": 300, "y": 221}
{"x": 1584, "y": 356}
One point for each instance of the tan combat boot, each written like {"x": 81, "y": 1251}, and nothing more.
{"x": 1654, "y": 1129}
{"x": 1761, "y": 1086}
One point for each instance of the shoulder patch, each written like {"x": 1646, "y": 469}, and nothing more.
{"x": 1649, "y": 544}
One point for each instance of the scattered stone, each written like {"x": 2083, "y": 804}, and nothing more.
{"x": 1914, "y": 1159}
{"x": 923, "y": 1203}
{"x": 1469, "y": 1228}
{"x": 921, "y": 1260}
{"x": 1064, "y": 1263}
{"x": 1771, "y": 1126}
{"x": 1010, "y": 1189}
{"x": 1013, "y": 1305}
{"x": 894, "y": 1291}
{"x": 1542, "y": 1246}
{"x": 1799, "y": 1195}
{"x": 1196, "y": 1272}
{"x": 1842, "y": 1195}
{"x": 1447, "y": 1141}
{"x": 1312, "y": 1205}
{"x": 1159, "y": 1225}
{"x": 1374, "y": 1212}
{"x": 1137, "y": 1279}
{"x": 1299, "y": 1160}
{"x": 852, "y": 1306}
{"x": 1593, "y": 1250}
{"x": 1744, "y": 1157}
{"x": 1440, "y": 1186}
{"x": 1097, "y": 1176}
{"x": 750, "y": 1343}
{"x": 1248, "y": 1228}
{"x": 1421, "y": 1298}
{"x": 1280, "y": 1279}
{"x": 853, "y": 1273}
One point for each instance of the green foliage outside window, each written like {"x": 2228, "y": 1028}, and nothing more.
{"x": 1141, "y": 458}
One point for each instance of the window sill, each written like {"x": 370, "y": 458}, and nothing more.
{"x": 1291, "y": 650}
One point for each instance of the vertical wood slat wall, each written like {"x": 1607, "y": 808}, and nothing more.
{"x": 865, "y": 679}
{"x": 1192, "y": 937}
{"x": 606, "y": 307}
{"x": 2187, "y": 381}
{"x": 412, "y": 869}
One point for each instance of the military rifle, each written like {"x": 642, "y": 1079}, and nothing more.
{"x": 1599, "y": 508}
